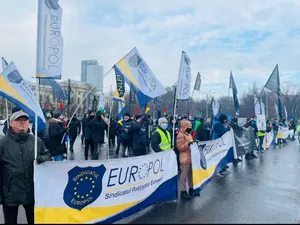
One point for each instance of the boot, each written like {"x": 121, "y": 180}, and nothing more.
{"x": 185, "y": 195}
{"x": 192, "y": 193}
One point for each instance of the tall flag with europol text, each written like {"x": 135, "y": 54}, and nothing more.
{"x": 69, "y": 91}
{"x": 139, "y": 76}
{"x": 262, "y": 108}
{"x": 273, "y": 84}
{"x": 101, "y": 101}
{"x": 184, "y": 78}
{"x": 49, "y": 40}
{"x": 15, "y": 89}
{"x": 234, "y": 93}
{"x": 276, "y": 109}
{"x": 120, "y": 82}
{"x": 197, "y": 82}
{"x": 57, "y": 90}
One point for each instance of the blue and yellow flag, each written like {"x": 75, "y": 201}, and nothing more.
{"x": 139, "y": 76}
{"x": 14, "y": 88}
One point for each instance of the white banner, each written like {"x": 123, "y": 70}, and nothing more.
{"x": 256, "y": 106}
{"x": 268, "y": 139}
{"x": 49, "y": 41}
{"x": 215, "y": 107}
{"x": 276, "y": 109}
{"x": 101, "y": 101}
{"x": 283, "y": 132}
{"x": 261, "y": 122}
{"x": 103, "y": 191}
{"x": 184, "y": 78}
{"x": 209, "y": 157}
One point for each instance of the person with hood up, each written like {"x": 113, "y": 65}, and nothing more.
{"x": 184, "y": 141}
{"x": 57, "y": 132}
{"x": 139, "y": 131}
{"x": 88, "y": 135}
{"x": 161, "y": 137}
{"x": 74, "y": 128}
{"x": 16, "y": 168}
{"x": 126, "y": 136}
{"x": 219, "y": 129}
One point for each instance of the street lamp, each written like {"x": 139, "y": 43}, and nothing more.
{"x": 207, "y": 102}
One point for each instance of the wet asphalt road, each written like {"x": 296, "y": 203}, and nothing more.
{"x": 262, "y": 190}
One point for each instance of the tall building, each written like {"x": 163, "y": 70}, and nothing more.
{"x": 91, "y": 73}
{"x": 94, "y": 74}
{"x": 84, "y": 65}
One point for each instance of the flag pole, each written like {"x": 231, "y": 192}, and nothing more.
{"x": 174, "y": 113}
{"x": 85, "y": 98}
{"x": 6, "y": 102}
{"x": 190, "y": 102}
{"x": 110, "y": 110}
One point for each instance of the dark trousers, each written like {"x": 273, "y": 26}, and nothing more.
{"x": 261, "y": 140}
{"x": 11, "y": 213}
{"x": 82, "y": 138}
{"x": 112, "y": 139}
{"x": 139, "y": 152}
{"x": 88, "y": 143}
{"x": 97, "y": 149}
{"x": 118, "y": 145}
{"x": 72, "y": 141}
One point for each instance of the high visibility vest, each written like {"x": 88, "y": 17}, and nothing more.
{"x": 298, "y": 128}
{"x": 165, "y": 140}
{"x": 260, "y": 134}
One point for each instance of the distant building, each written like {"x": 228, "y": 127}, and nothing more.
{"x": 84, "y": 65}
{"x": 94, "y": 75}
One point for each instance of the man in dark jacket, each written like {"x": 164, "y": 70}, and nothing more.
{"x": 57, "y": 132}
{"x": 88, "y": 135}
{"x": 16, "y": 168}
{"x": 139, "y": 130}
{"x": 203, "y": 131}
{"x": 74, "y": 129}
{"x": 126, "y": 136}
{"x": 6, "y": 123}
{"x": 98, "y": 126}
{"x": 112, "y": 131}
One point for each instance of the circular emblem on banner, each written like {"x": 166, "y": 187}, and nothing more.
{"x": 14, "y": 77}
{"x": 52, "y": 4}
{"x": 203, "y": 162}
{"x": 134, "y": 61}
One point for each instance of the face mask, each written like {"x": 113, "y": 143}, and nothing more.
{"x": 92, "y": 116}
{"x": 189, "y": 130}
{"x": 164, "y": 126}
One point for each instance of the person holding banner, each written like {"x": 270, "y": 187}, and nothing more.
{"x": 184, "y": 141}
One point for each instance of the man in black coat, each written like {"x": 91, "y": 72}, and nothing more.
{"x": 74, "y": 129}
{"x": 16, "y": 168}
{"x": 139, "y": 131}
{"x": 98, "y": 126}
{"x": 88, "y": 135}
{"x": 203, "y": 131}
{"x": 112, "y": 131}
{"x": 83, "y": 121}
{"x": 126, "y": 136}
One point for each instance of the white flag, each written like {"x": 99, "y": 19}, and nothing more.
{"x": 49, "y": 40}
{"x": 216, "y": 106}
{"x": 101, "y": 101}
{"x": 184, "y": 78}
{"x": 256, "y": 106}
{"x": 285, "y": 112}
{"x": 263, "y": 112}
{"x": 276, "y": 109}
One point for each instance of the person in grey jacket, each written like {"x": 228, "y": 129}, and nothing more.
{"x": 16, "y": 168}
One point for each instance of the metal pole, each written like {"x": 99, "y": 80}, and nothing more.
{"x": 110, "y": 110}
{"x": 7, "y": 115}
{"x": 175, "y": 103}
{"x": 37, "y": 93}
{"x": 190, "y": 102}
{"x": 267, "y": 105}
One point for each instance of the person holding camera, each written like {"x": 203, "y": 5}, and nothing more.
{"x": 184, "y": 141}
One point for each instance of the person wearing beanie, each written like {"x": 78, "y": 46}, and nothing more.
{"x": 126, "y": 136}
{"x": 219, "y": 129}
{"x": 88, "y": 134}
{"x": 56, "y": 134}
{"x": 184, "y": 141}
{"x": 161, "y": 137}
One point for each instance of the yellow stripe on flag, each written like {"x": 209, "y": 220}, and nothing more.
{"x": 124, "y": 68}
{"x": 147, "y": 110}
{"x": 199, "y": 175}
{"x": 68, "y": 215}
{"x": 7, "y": 89}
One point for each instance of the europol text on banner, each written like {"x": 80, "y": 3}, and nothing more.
{"x": 15, "y": 89}
{"x": 184, "y": 78}
{"x": 49, "y": 41}
{"x": 139, "y": 76}
{"x": 103, "y": 191}
{"x": 209, "y": 157}
{"x": 283, "y": 132}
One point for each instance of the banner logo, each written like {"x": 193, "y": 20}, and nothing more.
{"x": 134, "y": 61}
{"x": 203, "y": 161}
{"x": 14, "y": 77}
{"x": 52, "y": 4}
{"x": 84, "y": 186}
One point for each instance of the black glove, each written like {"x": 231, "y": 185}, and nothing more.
{"x": 67, "y": 131}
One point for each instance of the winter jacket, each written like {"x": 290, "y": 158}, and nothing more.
{"x": 112, "y": 128}
{"x": 203, "y": 132}
{"x": 74, "y": 127}
{"x": 16, "y": 167}
{"x": 88, "y": 128}
{"x": 275, "y": 126}
{"x": 236, "y": 128}
{"x": 98, "y": 126}
{"x": 183, "y": 140}
{"x": 56, "y": 133}
{"x": 139, "y": 131}
{"x": 156, "y": 139}
{"x": 83, "y": 122}
{"x": 126, "y": 137}
{"x": 219, "y": 130}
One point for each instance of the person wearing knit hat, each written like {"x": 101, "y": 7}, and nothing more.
{"x": 126, "y": 136}
{"x": 161, "y": 137}
{"x": 139, "y": 131}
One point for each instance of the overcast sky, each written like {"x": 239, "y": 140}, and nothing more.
{"x": 247, "y": 37}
